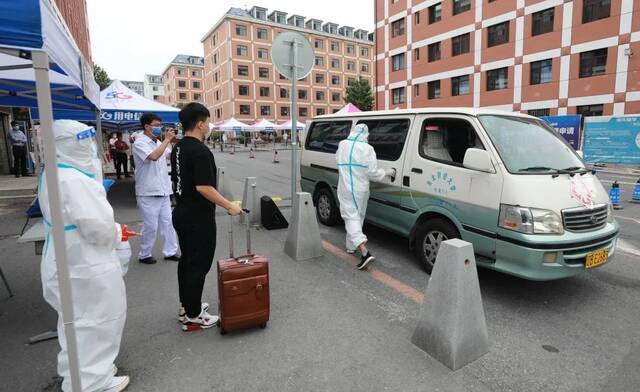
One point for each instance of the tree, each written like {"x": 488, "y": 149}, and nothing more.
{"x": 101, "y": 76}
{"x": 360, "y": 94}
{"x": 179, "y": 105}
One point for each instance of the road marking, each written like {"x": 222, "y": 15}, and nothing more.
{"x": 389, "y": 281}
{"x": 626, "y": 247}
{"x": 619, "y": 182}
{"x": 627, "y": 219}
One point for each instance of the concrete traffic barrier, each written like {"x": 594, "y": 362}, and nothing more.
{"x": 452, "y": 326}
{"x": 224, "y": 185}
{"x": 636, "y": 193}
{"x": 250, "y": 201}
{"x": 303, "y": 238}
{"x": 615, "y": 196}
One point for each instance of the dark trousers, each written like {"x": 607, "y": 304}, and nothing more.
{"x": 20, "y": 160}
{"x": 121, "y": 160}
{"x": 197, "y": 239}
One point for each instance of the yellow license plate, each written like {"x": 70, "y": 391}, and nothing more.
{"x": 597, "y": 258}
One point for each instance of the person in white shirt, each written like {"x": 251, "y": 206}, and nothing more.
{"x": 153, "y": 188}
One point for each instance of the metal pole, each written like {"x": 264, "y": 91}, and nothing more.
{"x": 99, "y": 139}
{"x": 294, "y": 119}
{"x": 41, "y": 68}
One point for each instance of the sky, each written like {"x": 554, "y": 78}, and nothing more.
{"x": 130, "y": 38}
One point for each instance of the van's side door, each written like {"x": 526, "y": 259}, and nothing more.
{"x": 440, "y": 183}
{"x": 390, "y": 206}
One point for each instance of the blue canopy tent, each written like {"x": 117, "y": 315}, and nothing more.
{"x": 41, "y": 66}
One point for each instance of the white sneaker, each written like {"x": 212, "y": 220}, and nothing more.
{"x": 204, "y": 320}
{"x": 182, "y": 314}
{"x": 114, "y": 371}
{"x": 351, "y": 251}
{"x": 118, "y": 384}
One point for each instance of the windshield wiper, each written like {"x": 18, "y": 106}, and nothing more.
{"x": 537, "y": 168}
{"x": 573, "y": 170}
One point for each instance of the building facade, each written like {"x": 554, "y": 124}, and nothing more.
{"x": 154, "y": 87}
{"x": 241, "y": 82}
{"x": 135, "y": 86}
{"x": 183, "y": 80}
{"x": 543, "y": 57}
{"x": 74, "y": 13}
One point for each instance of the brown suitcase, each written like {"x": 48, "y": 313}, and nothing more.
{"x": 243, "y": 288}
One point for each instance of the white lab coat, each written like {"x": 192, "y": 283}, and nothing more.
{"x": 99, "y": 298}
{"x": 357, "y": 165}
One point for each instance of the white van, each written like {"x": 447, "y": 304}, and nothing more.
{"x": 506, "y": 182}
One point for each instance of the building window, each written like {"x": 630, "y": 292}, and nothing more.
{"x": 435, "y": 13}
{"x": 262, "y": 34}
{"x": 155, "y": 88}
{"x": 335, "y": 47}
{"x": 593, "y": 63}
{"x": 264, "y": 91}
{"x": 398, "y": 62}
{"x": 303, "y": 112}
{"x": 416, "y": 17}
{"x": 263, "y": 72}
{"x": 218, "y": 113}
{"x": 196, "y": 74}
{"x": 434, "y": 52}
{"x": 539, "y": 112}
{"x": 217, "y": 95}
{"x": 416, "y": 88}
{"x": 542, "y": 22}
{"x": 350, "y": 80}
{"x": 460, "y": 44}
{"x": 364, "y": 52}
{"x": 320, "y": 112}
{"x": 364, "y": 68}
{"x": 182, "y": 96}
{"x": 263, "y": 53}
{"x": 182, "y": 84}
{"x": 498, "y": 34}
{"x": 398, "y": 95}
{"x": 214, "y": 41}
{"x": 351, "y": 65}
{"x": 335, "y": 97}
{"x": 281, "y": 77}
{"x": 460, "y": 85}
{"x": 265, "y": 110}
{"x": 460, "y": 6}
{"x": 434, "y": 89}
{"x": 593, "y": 10}
{"x": 335, "y": 63}
{"x": 180, "y": 71}
{"x": 215, "y": 58}
{"x": 541, "y": 72}
{"x": 319, "y": 44}
{"x": 243, "y": 90}
{"x": 320, "y": 61}
{"x": 215, "y": 76}
{"x": 416, "y": 54}
{"x": 243, "y": 70}
{"x": 195, "y": 84}
{"x": 319, "y": 95}
{"x": 397, "y": 28}
{"x": 590, "y": 110}
{"x": 302, "y": 94}
{"x": 196, "y": 97}
{"x": 497, "y": 79}
{"x": 320, "y": 78}
{"x": 284, "y": 93}
{"x": 284, "y": 111}
{"x": 350, "y": 49}
{"x": 245, "y": 110}
{"x": 335, "y": 80}
{"x": 241, "y": 30}
{"x": 241, "y": 50}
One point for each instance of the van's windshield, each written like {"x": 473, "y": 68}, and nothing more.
{"x": 530, "y": 146}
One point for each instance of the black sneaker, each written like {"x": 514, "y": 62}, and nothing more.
{"x": 148, "y": 260}
{"x": 172, "y": 258}
{"x": 366, "y": 259}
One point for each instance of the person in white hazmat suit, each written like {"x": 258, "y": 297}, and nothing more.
{"x": 99, "y": 298}
{"x": 357, "y": 165}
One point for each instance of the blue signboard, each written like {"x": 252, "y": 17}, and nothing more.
{"x": 568, "y": 127}
{"x": 612, "y": 139}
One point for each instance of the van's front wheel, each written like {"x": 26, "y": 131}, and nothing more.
{"x": 326, "y": 207}
{"x": 429, "y": 236}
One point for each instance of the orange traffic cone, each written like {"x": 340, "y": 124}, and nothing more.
{"x": 252, "y": 153}
{"x": 233, "y": 150}
{"x": 275, "y": 157}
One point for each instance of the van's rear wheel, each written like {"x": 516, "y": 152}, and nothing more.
{"x": 429, "y": 236}
{"x": 326, "y": 207}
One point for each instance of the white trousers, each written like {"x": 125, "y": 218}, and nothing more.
{"x": 355, "y": 236}
{"x": 156, "y": 211}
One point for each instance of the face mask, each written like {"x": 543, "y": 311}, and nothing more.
{"x": 156, "y": 131}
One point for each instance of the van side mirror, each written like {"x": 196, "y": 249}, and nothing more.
{"x": 580, "y": 154}
{"x": 477, "y": 159}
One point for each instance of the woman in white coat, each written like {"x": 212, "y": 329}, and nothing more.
{"x": 99, "y": 298}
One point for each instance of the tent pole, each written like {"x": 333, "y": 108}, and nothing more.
{"x": 99, "y": 137}
{"x": 41, "y": 69}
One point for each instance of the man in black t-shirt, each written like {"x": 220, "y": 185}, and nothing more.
{"x": 193, "y": 173}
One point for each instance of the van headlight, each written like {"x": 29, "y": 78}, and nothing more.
{"x": 610, "y": 217}
{"x": 530, "y": 220}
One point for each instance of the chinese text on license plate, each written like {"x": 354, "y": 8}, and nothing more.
{"x": 597, "y": 258}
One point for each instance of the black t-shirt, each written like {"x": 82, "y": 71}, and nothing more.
{"x": 192, "y": 164}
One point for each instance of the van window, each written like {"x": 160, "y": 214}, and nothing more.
{"x": 387, "y": 137}
{"x": 326, "y": 135}
{"x": 447, "y": 140}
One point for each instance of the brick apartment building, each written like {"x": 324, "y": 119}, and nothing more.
{"x": 183, "y": 80}
{"x": 241, "y": 82}
{"x": 543, "y": 57}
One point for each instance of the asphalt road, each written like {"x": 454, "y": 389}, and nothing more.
{"x": 334, "y": 328}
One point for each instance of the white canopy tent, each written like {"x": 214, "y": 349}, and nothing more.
{"x": 41, "y": 66}
{"x": 233, "y": 125}
{"x": 264, "y": 125}
{"x": 288, "y": 125}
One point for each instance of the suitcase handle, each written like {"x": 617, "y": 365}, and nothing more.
{"x": 231, "y": 246}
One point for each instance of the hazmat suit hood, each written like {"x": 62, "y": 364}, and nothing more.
{"x": 360, "y": 133}
{"x": 76, "y": 147}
